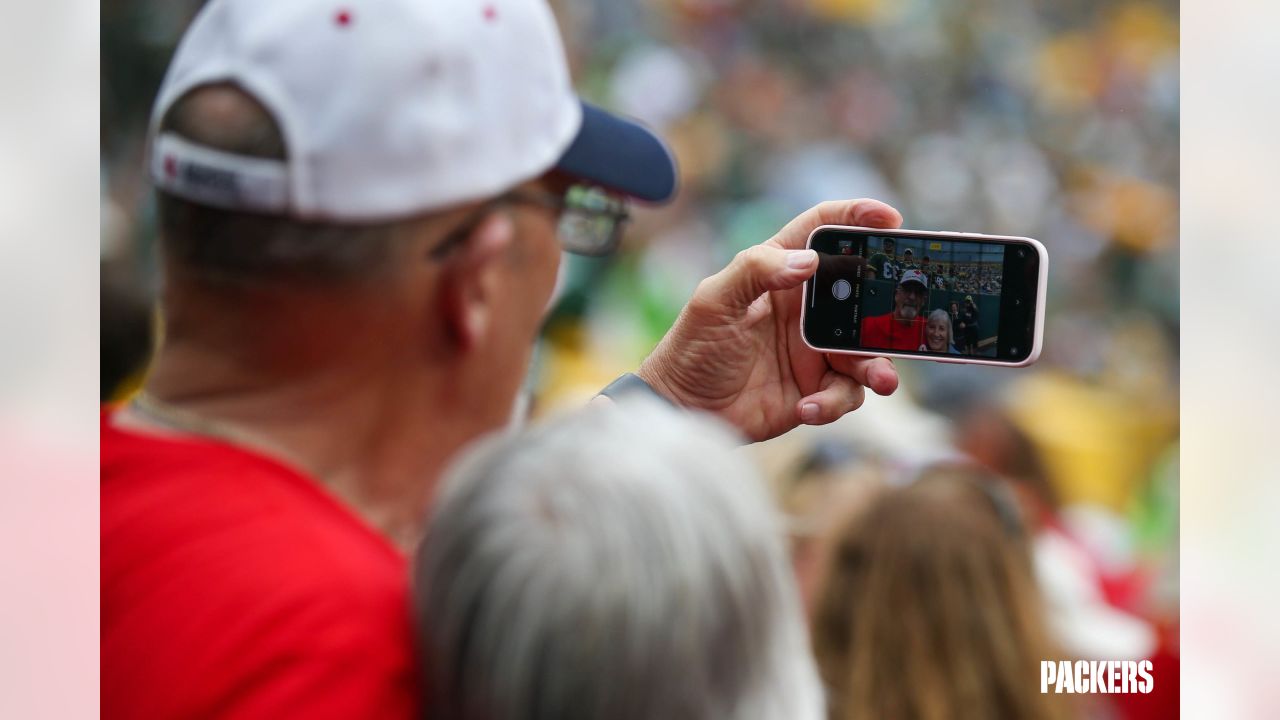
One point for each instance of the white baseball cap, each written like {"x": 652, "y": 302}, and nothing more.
{"x": 913, "y": 276}
{"x": 391, "y": 108}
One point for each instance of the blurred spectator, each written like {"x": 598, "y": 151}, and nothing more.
{"x": 617, "y": 563}
{"x": 968, "y": 328}
{"x": 1096, "y": 595}
{"x": 931, "y": 609}
{"x": 883, "y": 264}
{"x": 989, "y": 436}
{"x": 821, "y": 481}
{"x": 954, "y": 313}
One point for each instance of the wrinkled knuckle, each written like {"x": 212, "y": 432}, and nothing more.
{"x": 853, "y": 207}
{"x": 753, "y": 258}
{"x": 825, "y": 207}
{"x": 703, "y": 294}
{"x": 704, "y": 288}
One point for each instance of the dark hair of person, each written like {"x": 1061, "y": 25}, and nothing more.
{"x": 223, "y": 245}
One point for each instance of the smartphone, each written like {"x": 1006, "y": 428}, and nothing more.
{"x": 942, "y": 296}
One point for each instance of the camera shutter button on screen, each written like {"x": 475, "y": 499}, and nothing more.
{"x": 841, "y": 289}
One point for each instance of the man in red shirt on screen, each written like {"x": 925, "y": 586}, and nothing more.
{"x": 362, "y": 210}
{"x": 903, "y": 328}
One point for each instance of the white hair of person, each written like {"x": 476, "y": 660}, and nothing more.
{"x": 621, "y": 562}
{"x": 943, "y": 316}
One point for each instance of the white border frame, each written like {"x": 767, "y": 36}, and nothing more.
{"x": 1042, "y": 286}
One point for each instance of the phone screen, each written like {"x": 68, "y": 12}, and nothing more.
{"x": 922, "y": 295}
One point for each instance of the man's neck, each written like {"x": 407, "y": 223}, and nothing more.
{"x": 375, "y": 440}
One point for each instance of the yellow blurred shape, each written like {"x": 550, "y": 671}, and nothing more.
{"x": 1136, "y": 214}
{"x": 699, "y": 144}
{"x": 852, "y": 11}
{"x": 1073, "y": 69}
{"x": 1097, "y": 446}
{"x": 1067, "y": 72}
{"x": 1141, "y": 34}
{"x": 571, "y": 373}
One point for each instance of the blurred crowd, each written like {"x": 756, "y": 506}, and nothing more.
{"x": 1058, "y": 121}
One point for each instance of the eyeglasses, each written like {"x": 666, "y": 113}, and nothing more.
{"x": 591, "y": 220}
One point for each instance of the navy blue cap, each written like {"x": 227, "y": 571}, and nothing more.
{"x": 621, "y": 156}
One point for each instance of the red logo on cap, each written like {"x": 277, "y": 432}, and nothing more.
{"x": 490, "y": 13}
{"x": 170, "y": 166}
{"x": 343, "y": 18}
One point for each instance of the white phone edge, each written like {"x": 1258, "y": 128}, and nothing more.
{"x": 1042, "y": 287}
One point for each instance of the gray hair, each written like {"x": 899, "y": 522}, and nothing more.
{"x": 618, "y": 563}
{"x": 940, "y": 314}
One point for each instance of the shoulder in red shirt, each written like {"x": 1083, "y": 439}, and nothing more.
{"x": 884, "y": 332}
{"x": 233, "y": 586}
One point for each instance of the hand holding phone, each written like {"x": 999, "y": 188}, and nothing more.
{"x": 943, "y": 296}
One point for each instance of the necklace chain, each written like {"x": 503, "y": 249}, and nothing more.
{"x": 186, "y": 421}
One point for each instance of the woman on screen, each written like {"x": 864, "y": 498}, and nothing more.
{"x": 937, "y": 334}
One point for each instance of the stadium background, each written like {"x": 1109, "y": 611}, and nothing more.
{"x": 954, "y": 274}
{"x": 1053, "y": 120}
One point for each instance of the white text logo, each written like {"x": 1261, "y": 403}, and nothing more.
{"x": 1095, "y": 676}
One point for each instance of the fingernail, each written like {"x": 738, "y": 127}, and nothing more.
{"x": 797, "y": 259}
{"x": 887, "y": 379}
{"x": 809, "y": 412}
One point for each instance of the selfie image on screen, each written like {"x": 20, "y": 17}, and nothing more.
{"x": 931, "y": 296}
{"x": 909, "y": 294}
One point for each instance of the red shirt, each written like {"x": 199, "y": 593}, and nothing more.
{"x": 884, "y": 332}
{"x": 233, "y": 586}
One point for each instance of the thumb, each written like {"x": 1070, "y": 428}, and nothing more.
{"x": 755, "y": 271}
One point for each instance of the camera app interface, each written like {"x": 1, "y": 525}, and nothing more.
{"x": 907, "y": 294}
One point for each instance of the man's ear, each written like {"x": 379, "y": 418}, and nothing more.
{"x": 471, "y": 280}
